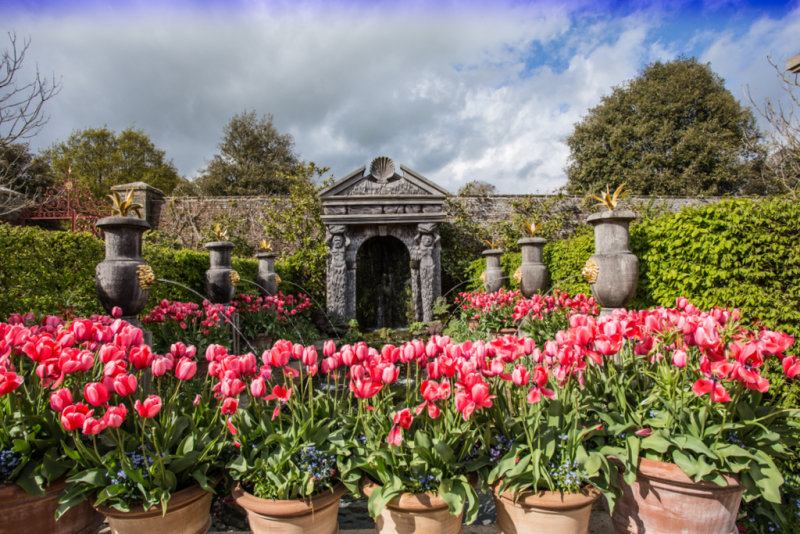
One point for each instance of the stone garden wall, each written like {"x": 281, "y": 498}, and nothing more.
{"x": 189, "y": 219}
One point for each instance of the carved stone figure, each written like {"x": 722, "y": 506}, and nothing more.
{"x": 428, "y": 273}
{"x": 337, "y": 270}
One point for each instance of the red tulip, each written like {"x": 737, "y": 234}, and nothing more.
{"x": 403, "y": 418}
{"x": 329, "y": 348}
{"x": 712, "y": 386}
{"x": 230, "y": 405}
{"x": 150, "y": 407}
{"x": 96, "y": 394}
{"x": 280, "y": 393}
{"x": 9, "y": 381}
{"x": 73, "y": 416}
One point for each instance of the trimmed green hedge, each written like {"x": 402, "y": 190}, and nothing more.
{"x": 739, "y": 253}
{"x": 48, "y": 272}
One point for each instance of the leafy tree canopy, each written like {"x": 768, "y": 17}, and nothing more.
{"x": 674, "y": 130}
{"x": 254, "y": 159}
{"x": 99, "y": 158}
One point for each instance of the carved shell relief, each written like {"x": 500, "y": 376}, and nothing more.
{"x": 382, "y": 169}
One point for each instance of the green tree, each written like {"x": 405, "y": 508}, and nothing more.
{"x": 674, "y": 130}
{"x": 99, "y": 158}
{"x": 294, "y": 223}
{"x": 254, "y": 159}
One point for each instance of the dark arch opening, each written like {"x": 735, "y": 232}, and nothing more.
{"x": 383, "y": 284}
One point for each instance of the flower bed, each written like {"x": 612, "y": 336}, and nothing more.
{"x": 582, "y": 408}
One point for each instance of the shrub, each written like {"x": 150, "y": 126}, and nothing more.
{"x": 48, "y": 272}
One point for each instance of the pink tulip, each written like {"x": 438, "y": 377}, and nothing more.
{"x": 115, "y": 415}
{"x": 679, "y": 358}
{"x": 149, "y": 408}
{"x": 185, "y": 369}
{"x": 60, "y": 399}
{"x": 93, "y": 426}
{"x": 258, "y": 387}
{"x": 124, "y": 385}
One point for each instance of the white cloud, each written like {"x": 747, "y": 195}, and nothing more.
{"x": 452, "y": 92}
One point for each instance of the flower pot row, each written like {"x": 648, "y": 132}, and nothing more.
{"x": 662, "y": 499}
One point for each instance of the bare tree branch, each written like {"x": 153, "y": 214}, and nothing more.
{"x": 22, "y": 177}
{"x": 782, "y": 165}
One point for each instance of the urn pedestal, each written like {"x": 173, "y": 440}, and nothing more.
{"x": 266, "y": 278}
{"x": 533, "y": 275}
{"x": 117, "y": 276}
{"x": 219, "y": 286}
{"x": 613, "y": 271}
{"x": 493, "y": 275}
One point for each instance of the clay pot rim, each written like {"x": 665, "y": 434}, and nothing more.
{"x": 532, "y": 241}
{"x": 10, "y": 489}
{"x": 123, "y": 222}
{"x": 177, "y": 500}
{"x": 286, "y": 508}
{"x": 551, "y": 500}
{"x": 671, "y": 473}
{"x": 411, "y": 502}
{"x": 610, "y": 216}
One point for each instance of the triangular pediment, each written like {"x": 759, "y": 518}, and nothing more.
{"x": 374, "y": 183}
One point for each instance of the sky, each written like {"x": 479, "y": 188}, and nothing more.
{"x": 457, "y": 91}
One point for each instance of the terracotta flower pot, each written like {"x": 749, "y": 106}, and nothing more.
{"x": 545, "y": 511}
{"x": 21, "y": 512}
{"x": 187, "y": 513}
{"x": 414, "y": 513}
{"x": 317, "y": 515}
{"x": 663, "y": 499}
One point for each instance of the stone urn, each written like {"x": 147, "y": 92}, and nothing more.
{"x": 122, "y": 277}
{"x": 266, "y": 278}
{"x": 493, "y": 275}
{"x": 613, "y": 271}
{"x": 533, "y": 276}
{"x": 220, "y": 277}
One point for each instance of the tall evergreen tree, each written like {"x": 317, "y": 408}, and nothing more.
{"x": 254, "y": 159}
{"x": 674, "y": 130}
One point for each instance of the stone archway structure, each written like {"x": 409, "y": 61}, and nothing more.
{"x": 382, "y": 202}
